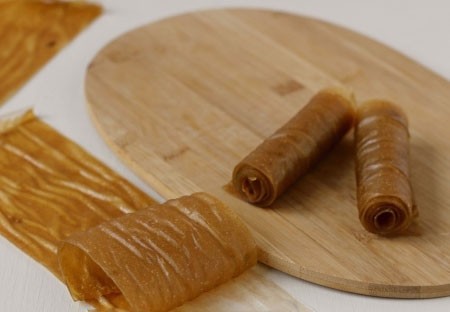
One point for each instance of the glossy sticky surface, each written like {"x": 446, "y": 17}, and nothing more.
{"x": 161, "y": 256}
{"x": 51, "y": 189}
{"x": 385, "y": 196}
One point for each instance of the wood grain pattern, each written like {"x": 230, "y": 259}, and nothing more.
{"x": 183, "y": 100}
{"x": 32, "y": 32}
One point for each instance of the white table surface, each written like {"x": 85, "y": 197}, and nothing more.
{"x": 418, "y": 28}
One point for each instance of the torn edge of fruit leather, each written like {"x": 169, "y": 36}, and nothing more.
{"x": 112, "y": 244}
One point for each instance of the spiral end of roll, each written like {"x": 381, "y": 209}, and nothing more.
{"x": 253, "y": 186}
{"x": 386, "y": 218}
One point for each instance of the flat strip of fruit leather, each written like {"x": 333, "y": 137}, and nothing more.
{"x": 385, "y": 196}
{"x": 32, "y": 32}
{"x": 50, "y": 188}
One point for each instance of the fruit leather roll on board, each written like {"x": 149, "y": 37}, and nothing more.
{"x": 384, "y": 193}
{"x": 293, "y": 149}
{"x": 161, "y": 256}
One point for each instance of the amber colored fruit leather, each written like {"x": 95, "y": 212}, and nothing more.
{"x": 161, "y": 256}
{"x": 51, "y": 191}
{"x": 51, "y": 188}
{"x": 32, "y": 32}
{"x": 264, "y": 174}
{"x": 385, "y": 197}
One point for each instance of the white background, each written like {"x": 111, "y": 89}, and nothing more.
{"x": 419, "y": 29}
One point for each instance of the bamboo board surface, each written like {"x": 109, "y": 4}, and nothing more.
{"x": 32, "y": 32}
{"x": 183, "y": 100}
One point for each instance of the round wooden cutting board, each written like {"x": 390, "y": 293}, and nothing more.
{"x": 183, "y": 100}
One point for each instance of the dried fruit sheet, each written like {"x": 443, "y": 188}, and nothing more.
{"x": 51, "y": 188}
{"x": 53, "y": 194}
{"x": 32, "y": 32}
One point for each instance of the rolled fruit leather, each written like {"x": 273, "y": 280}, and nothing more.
{"x": 384, "y": 194}
{"x": 263, "y": 175}
{"x": 161, "y": 256}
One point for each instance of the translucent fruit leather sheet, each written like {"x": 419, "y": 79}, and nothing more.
{"x": 113, "y": 245}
